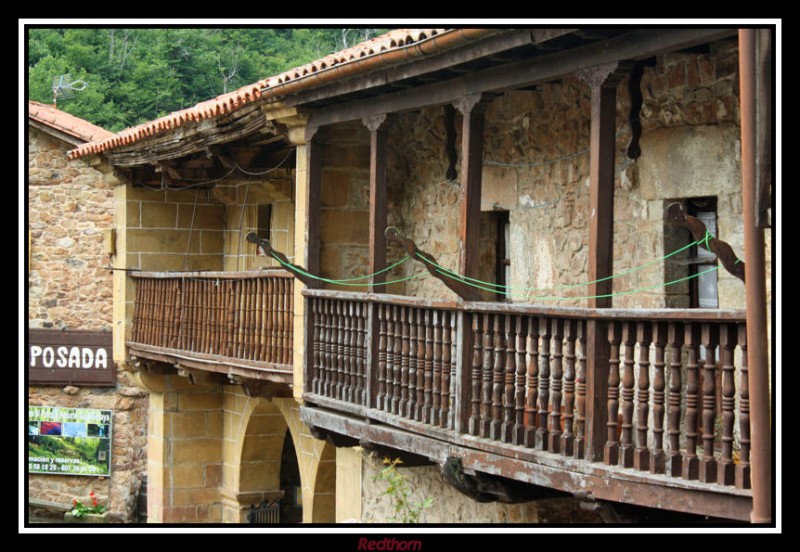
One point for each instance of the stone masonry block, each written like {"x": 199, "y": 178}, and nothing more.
{"x": 158, "y": 215}
{"x": 196, "y": 450}
{"x": 187, "y": 424}
{"x": 206, "y": 217}
{"x": 349, "y": 227}
{"x": 188, "y": 476}
{"x": 262, "y": 446}
{"x": 199, "y": 401}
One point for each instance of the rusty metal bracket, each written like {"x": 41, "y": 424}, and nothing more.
{"x": 721, "y": 249}
{"x": 466, "y": 292}
{"x": 266, "y": 247}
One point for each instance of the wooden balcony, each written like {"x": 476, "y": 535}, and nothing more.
{"x": 646, "y": 407}
{"x": 235, "y": 323}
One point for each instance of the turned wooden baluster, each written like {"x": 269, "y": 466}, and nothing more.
{"x": 486, "y": 370}
{"x": 404, "y": 360}
{"x": 266, "y": 305}
{"x": 532, "y": 375}
{"x": 383, "y": 348}
{"x": 341, "y": 340}
{"x": 230, "y": 318}
{"x": 348, "y": 354}
{"x": 519, "y": 382}
{"x": 391, "y": 357}
{"x": 743, "y": 467}
{"x": 544, "y": 384}
{"x": 157, "y": 312}
{"x": 691, "y": 466}
{"x": 626, "y": 438}
{"x": 413, "y": 350}
{"x": 580, "y": 392}
{"x": 241, "y": 316}
{"x": 611, "y": 450}
{"x": 398, "y": 315}
{"x": 272, "y": 323}
{"x": 258, "y": 342}
{"x": 497, "y": 378}
{"x": 507, "y": 429}
{"x": 219, "y": 316}
{"x": 145, "y": 310}
{"x": 186, "y": 316}
{"x": 727, "y": 343}
{"x": 708, "y": 464}
{"x": 430, "y": 322}
{"x": 436, "y": 383}
{"x": 150, "y": 311}
{"x": 136, "y": 334}
{"x": 675, "y": 341}
{"x": 566, "y": 446}
{"x": 247, "y": 333}
{"x": 415, "y": 413}
{"x": 316, "y": 337}
{"x": 641, "y": 455}
{"x": 657, "y": 456}
{"x": 173, "y": 321}
{"x": 554, "y": 434}
{"x": 475, "y": 380}
{"x": 330, "y": 349}
{"x": 448, "y": 367}
{"x": 285, "y": 295}
{"x": 359, "y": 346}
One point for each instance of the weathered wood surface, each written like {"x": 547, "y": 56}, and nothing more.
{"x": 544, "y": 469}
{"x": 244, "y": 317}
{"x": 521, "y": 382}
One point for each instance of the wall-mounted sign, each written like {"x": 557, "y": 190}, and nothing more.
{"x": 70, "y": 357}
{"x": 69, "y": 441}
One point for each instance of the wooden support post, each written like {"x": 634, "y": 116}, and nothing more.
{"x": 461, "y": 402}
{"x": 472, "y": 108}
{"x": 377, "y": 199}
{"x": 313, "y": 207}
{"x": 603, "y": 79}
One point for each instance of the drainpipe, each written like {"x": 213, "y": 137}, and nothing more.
{"x": 755, "y": 290}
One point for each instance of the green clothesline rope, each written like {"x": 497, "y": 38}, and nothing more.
{"x": 497, "y": 288}
{"x": 346, "y": 282}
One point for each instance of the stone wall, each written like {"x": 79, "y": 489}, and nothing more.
{"x": 70, "y": 210}
{"x": 536, "y": 166}
{"x": 345, "y": 202}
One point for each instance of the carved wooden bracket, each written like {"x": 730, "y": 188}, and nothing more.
{"x": 374, "y": 122}
{"x": 635, "y": 93}
{"x": 288, "y": 266}
{"x": 721, "y": 249}
{"x": 450, "y": 141}
{"x": 261, "y": 389}
{"x": 607, "y": 74}
{"x": 466, "y": 292}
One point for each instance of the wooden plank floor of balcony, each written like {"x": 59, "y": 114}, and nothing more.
{"x": 536, "y": 467}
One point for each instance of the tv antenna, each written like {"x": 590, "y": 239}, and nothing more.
{"x": 64, "y": 87}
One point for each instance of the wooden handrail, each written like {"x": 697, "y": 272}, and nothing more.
{"x": 217, "y": 274}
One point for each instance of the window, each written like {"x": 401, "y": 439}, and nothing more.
{"x": 703, "y": 288}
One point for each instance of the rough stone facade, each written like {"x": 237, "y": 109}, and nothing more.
{"x": 536, "y": 166}
{"x": 70, "y": 206}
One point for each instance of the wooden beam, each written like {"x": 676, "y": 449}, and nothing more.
{"x": 313, "y": 206}
{"x": 393, "y": 76}
{"x": 638, "y": 44}
{"x": 591, "y": 480}
{"x": 603, "y": 81}
{"x": 377, "y": 198}
{"x": 473, "y": 110}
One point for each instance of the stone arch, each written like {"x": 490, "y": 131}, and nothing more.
{"x": 254, "y": 431}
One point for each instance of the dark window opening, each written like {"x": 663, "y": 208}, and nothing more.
{"x": 495, "y": 264}
{"x": 703, "y": 287}
{"x": 264, "y": 221}
{"x": 291, "y": 503}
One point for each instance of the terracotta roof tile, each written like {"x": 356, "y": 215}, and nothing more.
{"x": 66, "y": 123}
{"x": 272, "y": 86}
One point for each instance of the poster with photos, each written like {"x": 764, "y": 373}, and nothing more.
{"x": 69, "y": 441}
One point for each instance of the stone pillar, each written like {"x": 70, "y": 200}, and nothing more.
{"x": 184, "y": 448}
{"x": 348, "y": 485}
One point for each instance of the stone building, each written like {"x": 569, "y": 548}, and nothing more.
{"x": 70, "y": 300}
{"x": 481, "y": 177}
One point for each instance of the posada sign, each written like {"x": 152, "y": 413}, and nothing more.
{"x": 70, "y": 357}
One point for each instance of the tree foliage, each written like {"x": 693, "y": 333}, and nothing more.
{"x": 135, "y": 75}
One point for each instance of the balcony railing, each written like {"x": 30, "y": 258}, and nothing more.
{"x": 664, "y": 396}
{"x": 240, "y": 319}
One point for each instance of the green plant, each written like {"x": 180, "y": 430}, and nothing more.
{"x": 397, "y": 488}
{"x": 79, "y": 509}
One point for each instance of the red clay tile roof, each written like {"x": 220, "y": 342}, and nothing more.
{"x": 66, "y": 123}
{"x": 290, "y": 81}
